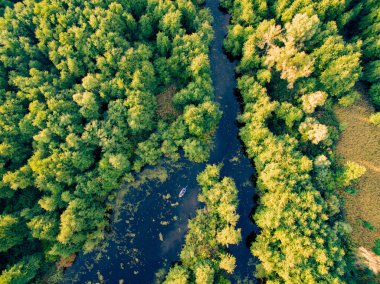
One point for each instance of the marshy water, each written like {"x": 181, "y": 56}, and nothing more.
{"x": 150, "y": 220}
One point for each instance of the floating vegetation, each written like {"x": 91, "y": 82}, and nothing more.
{"x": 127, "y": 208}
{"x": 166, "y": 196}
{"x": 234, "y": 159}
{"x": 160, "y": 276}
{"x": 247, "y": 183}
{"x": 98, "y": 256}
{"x": 100, "y": 277}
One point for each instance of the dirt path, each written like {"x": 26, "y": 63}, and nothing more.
{"x": 360, "y": 142}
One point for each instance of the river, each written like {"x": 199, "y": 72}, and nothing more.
{"x": 149, "y": 226}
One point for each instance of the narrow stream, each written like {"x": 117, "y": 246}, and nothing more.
{"x": 149, "y": 229}
{"x": 229, "y": 149}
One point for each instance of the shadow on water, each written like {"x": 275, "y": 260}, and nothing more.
{"x": 150, "y": 220}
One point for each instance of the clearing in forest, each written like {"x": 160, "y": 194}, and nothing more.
{"x": 360, "y": 143}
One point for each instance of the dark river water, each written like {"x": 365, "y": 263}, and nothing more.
{"x": 150, "y": 221}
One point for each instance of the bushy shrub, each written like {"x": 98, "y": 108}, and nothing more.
{"x": 375, "y": 119}
{"x": 351, "y": 173}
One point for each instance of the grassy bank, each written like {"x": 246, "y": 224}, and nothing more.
{"x": 359, "y": 142}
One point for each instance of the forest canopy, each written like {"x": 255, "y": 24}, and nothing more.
{"x": 79, "y": 89}
{"x": 93, "y": 91}
{"x": 294, "y": 65}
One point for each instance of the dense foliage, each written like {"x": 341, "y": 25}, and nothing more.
{"x": 204, "y": 257}
{"x": 79, "y": 82}
{"x": 293, "y": 66}
{"x": 367, "y": 27}
{"x": 4, "y": 4}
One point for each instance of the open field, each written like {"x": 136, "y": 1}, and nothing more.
{"x": 360, "y": 142}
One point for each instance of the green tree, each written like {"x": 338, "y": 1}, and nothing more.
{"x": 12, "y": 232}
{"x": 44, "y": 226}
{"x": 21, "y": 272}
{"x": 177, "y": 275}
{"x": 228, "y": 263}
{"x": 204, "y": 274}
{"x": 196, "y": 150}
{"x": 171, "y": 24}
{"x": 228, "y": 235}
{"x": 351, "y": 173}
{"x": 203, "y": 118}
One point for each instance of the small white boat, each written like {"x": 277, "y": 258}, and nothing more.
{"x": 182, "y": 192}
